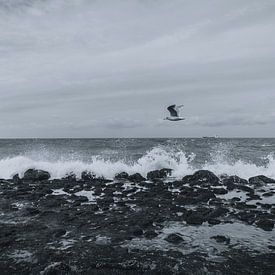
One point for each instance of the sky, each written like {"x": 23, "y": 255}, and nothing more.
{"x": 99, "y": 68}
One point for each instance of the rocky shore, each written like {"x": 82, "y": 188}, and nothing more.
{"x": 201, "y": 224}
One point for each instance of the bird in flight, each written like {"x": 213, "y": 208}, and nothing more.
{"x": 174, "y": 113}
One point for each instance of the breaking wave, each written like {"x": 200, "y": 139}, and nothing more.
{"x": 156, "y": 158}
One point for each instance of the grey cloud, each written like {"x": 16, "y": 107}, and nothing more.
{"x": 91, "y": 67}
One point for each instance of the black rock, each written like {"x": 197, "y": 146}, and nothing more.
{"x": 214, "y": 221}
{"x": 122, "y": 175}
{"x": 202, "y": 176}
{"x": 36, "y": 175}
{"x": 174, "y": 238}
{"x": 233, "y": 179}
{"x": 59, "y": 232}
{"x": 194, "y": 218}
{"x": 57, "y": 268}
{"x": 87, "y": 176}
{"x": 266, "y": 225}
{"x": 136, "y": 177}
{"x": 260, "y": 180}
{"x": 70, "y": 177}
{"x": 136, "y": 231}
{"x": 221, "y": 239}
{"x": 159, "y": 174}
{"x": 268, "y": 194}
{"x": 218, "y": 212}
{"x": 220, "y": 191}
{"x": 150, "y": 234}
{"x": 16, "y": 179}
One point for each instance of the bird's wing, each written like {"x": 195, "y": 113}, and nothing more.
{"x": 172, "y": 110}
{"x": 177, "y": 108}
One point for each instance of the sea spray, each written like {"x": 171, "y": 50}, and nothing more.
{"x": 158, "y": 157}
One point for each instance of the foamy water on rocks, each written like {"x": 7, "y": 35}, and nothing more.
{"x": 107, "y": 157}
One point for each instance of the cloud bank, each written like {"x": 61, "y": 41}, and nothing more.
{"x": 110, "y": 68}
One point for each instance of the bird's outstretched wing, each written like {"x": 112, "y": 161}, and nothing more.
{"x": 173, "y": 111}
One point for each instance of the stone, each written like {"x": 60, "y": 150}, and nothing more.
{"x": 266, "y": 225}
{"x": 59, "y": 232}
{"x": 234, "y": 179}
{"x": 122, "y": 175}
{"x": 136, "y": 231}
{"x": 194, "y": 218}
{"x": 202, "y": 176}
{"x": 136, "y": 177}
{"x": 260, "y": 180}
{"x": 159, "y": 174}
{"x": 36, "y": 175}
{"x": 174, "y": 238}
{"x": 87, "y": 176}
{"x": 221, "y": 239}
{"x": 150, "y": 234}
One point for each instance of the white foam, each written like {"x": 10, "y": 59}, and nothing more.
{"x": 156, "y": 158}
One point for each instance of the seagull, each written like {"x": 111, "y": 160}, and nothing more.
{"x": 174, "y": 113}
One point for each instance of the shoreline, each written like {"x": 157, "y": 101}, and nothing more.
{"x": 131, "y": 224}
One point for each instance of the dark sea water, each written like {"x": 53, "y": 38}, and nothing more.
{"x": 106, "y": 157}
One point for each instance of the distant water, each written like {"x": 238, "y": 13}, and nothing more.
{"x": 106, "y": 157}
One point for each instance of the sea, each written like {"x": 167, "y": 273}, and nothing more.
{"x": 245, "y": 157}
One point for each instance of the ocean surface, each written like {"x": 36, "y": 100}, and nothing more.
{"x": 106, "y": 157}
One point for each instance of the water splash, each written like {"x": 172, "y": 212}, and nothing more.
{"x": 156, "y": 158}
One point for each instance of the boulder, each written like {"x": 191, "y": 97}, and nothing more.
{"x": 136, "y": 231}
{"x": 70, "y": 177}
{"x": 136, "y": 177}
{"x": 159, "y": 174}
{"x": 202, "y": 176}
{"x": 16, "y": 179}
{"x": 150, "y": 234}
{"x": 194, "y": 218}
{"x": 36, "y": 175}
{"x": 233, "y": 179}
{"x": 265, "y": 224}
{"x": 221, "y": 239}
{"x": 260, "y": 180}
{"x": 122, "y": 175}
{"x": 87, "y": 176}
{"x": 174, "y": 238}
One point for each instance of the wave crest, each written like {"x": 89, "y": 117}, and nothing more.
{"x": 156, "y": 158}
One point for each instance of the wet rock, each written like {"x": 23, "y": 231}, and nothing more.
{"x": 214, "y": 221}
{"x": 202, "y": 176}
{"x": 219, "y": 212}
{"x": 87, "y": 176}
{"x": 16, "y": 179}
{"x": 59, "y": 232}
{"x": 159, "y": 174}
{"x": 234, "y": 179}
{"x": 70, "y": 177}
{"x": 136, "y": 231}
{"x": 266, "y": 225}
{"x": 205, "y": 195}
{"x": 245, "y": 188}
{"x": 260, "y": 180}
{"x": 219, "y": 191}
{"x": 194, "y": 218}
{"x": 32, "y": 210}
{"x": 268, "y": 194}
{"x": 174, "y": 238}
{"x": 136, "y": 177}
{"x": 122, "y": 175}
{"x": 36, "y": 175}
{"x": 221, "y": 239}
{"x": 150, "y": 234}
{"x": 57, "y": 268}
{"x": 247, "y": 216}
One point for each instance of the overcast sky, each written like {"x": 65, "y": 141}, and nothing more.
{"x": 87, "y": 68}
